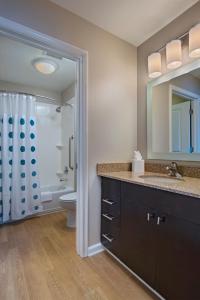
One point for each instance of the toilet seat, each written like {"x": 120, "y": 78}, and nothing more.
{"x": 69, "y": 197}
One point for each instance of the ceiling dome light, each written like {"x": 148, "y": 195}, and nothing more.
{"x": 174, "y": 54}
{"x": 45, "y": 66}
{"x": 194, "y": 41}
{"x": 154, "y": 65}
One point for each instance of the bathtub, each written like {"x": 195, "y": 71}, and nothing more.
{"x": 50, "y": 196}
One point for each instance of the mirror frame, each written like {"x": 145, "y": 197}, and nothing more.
{"x": 184, "y": 69}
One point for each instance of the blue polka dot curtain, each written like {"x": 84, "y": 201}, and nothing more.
{"x": 19, "y": 178}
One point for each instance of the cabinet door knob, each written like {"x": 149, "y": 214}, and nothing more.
{"x": 108, "y": 201}
{"x": 160, "y": 219}
{"x": 107, "y": 238}
{"x": 150, "y": 216}
{"x": 108, "y": 217}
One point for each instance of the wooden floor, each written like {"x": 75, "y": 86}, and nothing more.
{"x": 38, "y": 261}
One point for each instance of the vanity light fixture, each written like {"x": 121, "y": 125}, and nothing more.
{"x": 174, "y": 54}
{"x": 194, "y": 41}
{"x": 45, "y": 66}
{"x": 154, "y": 65}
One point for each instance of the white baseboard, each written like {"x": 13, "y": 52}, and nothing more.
{"x": 95, "y": 249}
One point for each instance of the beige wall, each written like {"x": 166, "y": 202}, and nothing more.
{"x": 171, "y": 31}
{"x": 112, "y": 86}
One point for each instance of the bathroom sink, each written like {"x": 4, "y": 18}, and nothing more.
{"x": 161, "y": 179}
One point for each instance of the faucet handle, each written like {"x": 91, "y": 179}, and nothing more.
{"x": 174, "y": 164}
{"x": 173, "y": 170}
{"x": 66, "y": 170}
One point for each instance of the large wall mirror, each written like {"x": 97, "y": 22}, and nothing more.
{"x": 173, "y": 123}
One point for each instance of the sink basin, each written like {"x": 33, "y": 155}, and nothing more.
{"x": 161, "y": 179}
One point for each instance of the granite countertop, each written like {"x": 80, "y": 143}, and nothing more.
{"x": 188, "y": 186}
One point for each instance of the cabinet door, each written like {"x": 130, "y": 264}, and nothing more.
{"x": 138, "y": 236}
{"x": 178, "y": 259}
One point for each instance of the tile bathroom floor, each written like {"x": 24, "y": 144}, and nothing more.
{"x": 38, "y": 261}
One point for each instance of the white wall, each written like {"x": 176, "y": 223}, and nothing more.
{"x": 49, "y": 135}
{"x": 55, "y": 129}
{"x": 68, "y": 129}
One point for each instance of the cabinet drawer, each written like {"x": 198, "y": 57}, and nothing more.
{"x": 110, "y": 226}
{"x": 107, "y": 241}
{"x": 113, "y": 209}
{"x": 110, "y": 232}
{"x": 110, "y": 191}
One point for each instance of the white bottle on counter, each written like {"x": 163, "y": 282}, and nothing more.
{"x": 137, "y": 164}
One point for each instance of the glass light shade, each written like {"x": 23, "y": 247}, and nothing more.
{"x": 194, "y": 41}
{"x": 154, "y": 65}
{"x": 174, "y": 54}
{"x": 45, "y": 66}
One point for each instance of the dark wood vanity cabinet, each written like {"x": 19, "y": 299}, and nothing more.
{"x": 156, "y": 234}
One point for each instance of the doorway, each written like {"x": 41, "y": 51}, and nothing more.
{"x": 27, "y": 36}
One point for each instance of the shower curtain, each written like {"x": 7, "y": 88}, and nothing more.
{"x": 19, "y": 180}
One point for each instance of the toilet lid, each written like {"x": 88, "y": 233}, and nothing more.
{"x": 69, "y": 197}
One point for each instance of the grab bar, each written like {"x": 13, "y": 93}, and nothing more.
{"x": 71, "y": 138}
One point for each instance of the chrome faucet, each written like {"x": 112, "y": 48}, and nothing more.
{"x": 173, "y": 170}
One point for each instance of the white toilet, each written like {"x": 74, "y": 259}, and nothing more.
{"x": 68, "y": 202}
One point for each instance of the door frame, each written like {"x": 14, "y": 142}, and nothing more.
{"x": 34, "y": 38}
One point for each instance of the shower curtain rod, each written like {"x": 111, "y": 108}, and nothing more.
{"x": 28, "y": 94}
{"x": 34, "y": 95}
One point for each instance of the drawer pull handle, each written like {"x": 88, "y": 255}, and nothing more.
{"x": 160, "y": 219}
{"x": 107, "y": 238}
{"x": 150, "y": 216}
{"x": 106, "y": 216}
{"x": 108, "y": 201}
